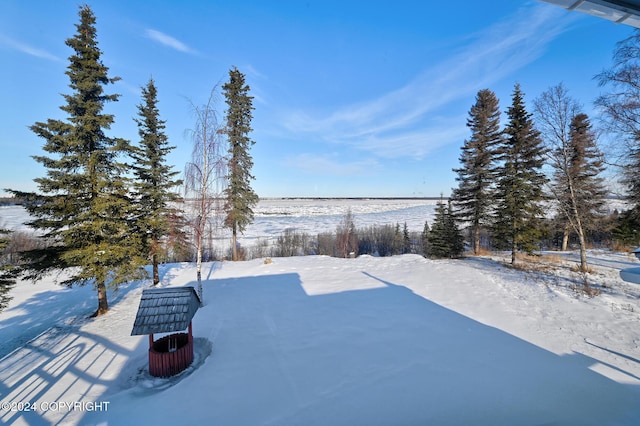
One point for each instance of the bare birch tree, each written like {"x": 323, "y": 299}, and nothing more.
{"x": 205, "y": 176}
{"x": 620, "y": 110}
{"x": 554, "y": 110}
{"x": 346, "y": 236}
{"x": 576, "y": 160}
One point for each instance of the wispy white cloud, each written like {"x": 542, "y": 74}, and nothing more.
{"x": 129, "y": 87}
{"x": 331, "y": 164}
{"x": 25, "y": 48}
{"x": 255, "y": 77}
{"x": 252, "y": 71}
{"x": 169, "y": 41}
{"x": 396, "y": 124}
{"x": 414, "y": 143}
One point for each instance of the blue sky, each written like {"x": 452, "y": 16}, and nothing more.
{"x": 352, "y": 98}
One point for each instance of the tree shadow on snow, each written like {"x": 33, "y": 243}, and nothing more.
{"x": 52, "y": 359}
{"x": 376, "y": 356}
{"x": 61, "y": 365}
{"x": 618, "y": 354}
{"x": 53, "y": 308}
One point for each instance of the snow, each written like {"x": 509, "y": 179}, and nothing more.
{"x": 323, "y": 341}
{"x": 13, "y": 218}
{"x": 274, "y": 216}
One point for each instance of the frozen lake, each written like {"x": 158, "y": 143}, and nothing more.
{"x": 313, "y": 216}
{"x": 13, "y": 218}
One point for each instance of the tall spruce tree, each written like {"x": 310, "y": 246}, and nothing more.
{"x": 240, "y": 197}
{"x": 519, "y": 191}
{"x": 7, "y": 271}
{"x": 473, "y": 198}
{"x": 84, "y": 205}
{"x": 578, "y": 186}
{"x": 155, "y": 180}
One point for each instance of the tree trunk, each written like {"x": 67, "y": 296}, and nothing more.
{"x": 583, "y": 253}
{"x": 234, "y": 243}
{"x": 199, "y": 272}
{"x": 476, "y": 240}
{"x": 565, "y": 239}
{"x": 156, "y": 273}
{"x": 579, "y": 229}
{"x": 103, "y": 304}
{"x": 514, "y": 245}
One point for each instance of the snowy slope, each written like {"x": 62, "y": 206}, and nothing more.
{"x": 324, "y": 341}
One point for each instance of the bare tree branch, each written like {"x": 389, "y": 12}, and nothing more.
{"x": 205, "y": 180}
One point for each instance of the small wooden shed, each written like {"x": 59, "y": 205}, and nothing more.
{"x": 167, "y": 310}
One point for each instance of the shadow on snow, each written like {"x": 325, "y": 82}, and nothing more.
{"x": 378, "y": 356}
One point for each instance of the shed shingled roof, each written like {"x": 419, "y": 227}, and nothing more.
{"x": 163, "y": 310}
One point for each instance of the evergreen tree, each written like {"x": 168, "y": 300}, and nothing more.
{"x": 577, "y": 185}
{"x": 397, "y": 240}
{"x": 454, "y": 237}
{"x": 425, "y": 236}
{"x": 438, "y": 234}
{"x": 445, "y": 239}
{"x": 473, "y": 197}
{"x": 84, "y": 206}
{"x": 520, "y": 181}
{"x": 177, "y": 245}
{"x": 7, "y": 271}
{"x": 626, "y": 230}
{"x": 154, "y": 180}
{"x": 406, "y": 240}
{"x": 240, "y": 197}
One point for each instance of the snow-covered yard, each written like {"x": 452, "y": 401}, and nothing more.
{"x": 324, "y": 341}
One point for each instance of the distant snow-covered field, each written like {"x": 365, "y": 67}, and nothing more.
{"x": 274, "y": 215}
{"x": 13, "y": 218}
{"x": 313, "y": 216}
